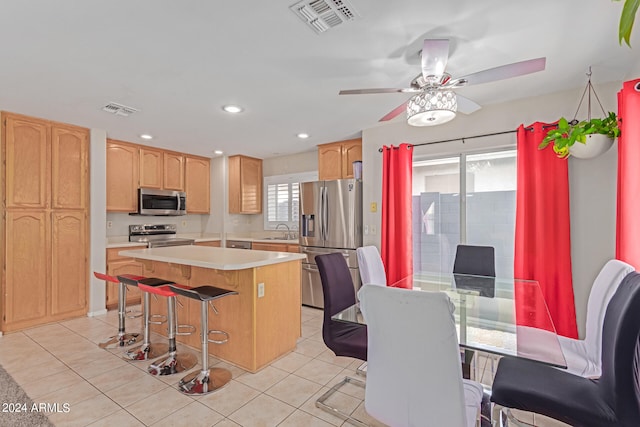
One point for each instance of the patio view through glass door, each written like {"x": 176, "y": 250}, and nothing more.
{"x": 485, "y": 216}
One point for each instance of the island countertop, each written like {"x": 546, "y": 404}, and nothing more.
{"x": 210, "y": 257}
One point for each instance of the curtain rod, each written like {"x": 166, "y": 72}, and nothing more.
{"x": 471, "y": 137}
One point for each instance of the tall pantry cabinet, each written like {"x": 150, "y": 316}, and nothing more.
{"x": 44, "y": 228}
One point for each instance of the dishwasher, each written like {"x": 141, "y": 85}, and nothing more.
{"x": 238, "y": 244}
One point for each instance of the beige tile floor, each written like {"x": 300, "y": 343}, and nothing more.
{"x": 61, "y": 363}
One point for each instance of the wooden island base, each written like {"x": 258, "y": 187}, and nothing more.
{"x": 261, "y": 329}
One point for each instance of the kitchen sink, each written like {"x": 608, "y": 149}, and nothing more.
{"x": 276, "y": 238}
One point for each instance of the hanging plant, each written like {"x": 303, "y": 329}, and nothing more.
{"x": 627, "y": 18}
{"x": 568, "y": 133}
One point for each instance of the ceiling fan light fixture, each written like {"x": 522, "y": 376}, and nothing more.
{"x": 430, "y": 108}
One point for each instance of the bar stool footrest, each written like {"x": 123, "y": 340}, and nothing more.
{"x": 133, "y": 314}
{"x": 190, "y": 329}
{"x": 216, "y": 332}
{"x": 162, "y": 317}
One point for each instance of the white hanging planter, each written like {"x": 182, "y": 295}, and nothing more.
{"x": 596, "y": 144}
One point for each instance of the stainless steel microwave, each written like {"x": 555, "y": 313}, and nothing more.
{"x": 152, "y": 201}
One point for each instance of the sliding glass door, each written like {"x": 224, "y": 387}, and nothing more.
{"x": 469, "y": 198}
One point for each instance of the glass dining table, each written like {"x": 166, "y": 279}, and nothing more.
{"x": 507, "y": 317}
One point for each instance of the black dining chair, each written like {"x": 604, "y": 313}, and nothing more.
{"x": 344, "y": 339}
{"x": 612, "y": 400}
{"x": 476, "y": 260}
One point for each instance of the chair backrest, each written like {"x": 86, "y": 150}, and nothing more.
{"x": 337, "y": 289}
{"x": 603, "y": 288}
{"x": 371, "y": 268}
{"x": 477, "y": 260}
{"x": 413, "y": 364}
{"x": 619, "y": 383}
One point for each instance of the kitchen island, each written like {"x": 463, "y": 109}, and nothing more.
{"x": 263, "y": 320}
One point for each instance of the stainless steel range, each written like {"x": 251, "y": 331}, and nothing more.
{"x": 157, "y": 235}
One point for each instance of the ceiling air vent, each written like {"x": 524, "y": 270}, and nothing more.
{"x": 119, "y": 109}
{"x": 322, "y": 15}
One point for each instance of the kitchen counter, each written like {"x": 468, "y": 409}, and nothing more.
{"x": 215, "y": 258}
{"x": 263, "y": 320}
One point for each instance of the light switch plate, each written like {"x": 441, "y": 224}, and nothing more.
{"x": 260, "y": 290}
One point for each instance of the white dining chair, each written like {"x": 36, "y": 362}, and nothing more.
{"x": 414, "y": 376}
{"x": 583, "y": 357}
{"x": 371, "y": 267}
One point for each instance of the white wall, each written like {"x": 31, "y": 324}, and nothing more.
{"x": 98, "y": 214}
{"x": 592, "y": 182}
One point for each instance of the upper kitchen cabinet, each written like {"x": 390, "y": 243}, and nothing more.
{"x": 173, "y": 174}
{"x": 197, "y": 184}
{"x": 151, "y": 167}
{"x": 122, "y": 176}
{"x": 27, "y": 151}
{"x": 245, "y": 185}
{"x": 335, "y": 160}
{"x": 69, "y": 167}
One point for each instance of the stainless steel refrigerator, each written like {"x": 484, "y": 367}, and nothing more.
{"x": 330, "y": 221}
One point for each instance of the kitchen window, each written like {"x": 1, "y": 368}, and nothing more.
{"x": 281, "y": 199}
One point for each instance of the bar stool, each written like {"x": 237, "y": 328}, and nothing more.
{"x": 175, "y": 362}
{"x": 123, "y": 339}
{"x": 208, "y": 379}
{"x": 147, "y": 350}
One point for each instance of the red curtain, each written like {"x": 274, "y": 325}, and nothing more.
{"x": 396, "y": 244}
{"x": 543, "y": 241}
{"x": 628, "y": 220}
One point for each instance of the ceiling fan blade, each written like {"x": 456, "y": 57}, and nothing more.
{"x": 505, "y": 71}
{"x": 395, "y": 112}
{"x": 466, "y": 106}
{"x": 435, "y": 54}
{"x": 381, "y": 90}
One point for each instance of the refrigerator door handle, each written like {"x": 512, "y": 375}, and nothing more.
{"x": 325, "y": 213}
{"x": 323, "y": 202}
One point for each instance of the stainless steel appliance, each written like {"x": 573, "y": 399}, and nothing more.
{"x": 238, "y": 244}
{"x": 157, "y": 235}
{"x": 330, "y": 221}
{"x": 152, "y": 201}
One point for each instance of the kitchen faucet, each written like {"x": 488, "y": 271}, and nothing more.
{"x": 287, "y": 236}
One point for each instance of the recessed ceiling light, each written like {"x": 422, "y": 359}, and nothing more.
{"x": 303, "y": 135}
{"x": 232, "y": 109}
{"x": 146, "y": 136}
{"x": 218, "y": 152}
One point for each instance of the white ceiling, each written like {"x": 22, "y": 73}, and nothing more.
{"x": 179, "y": 62}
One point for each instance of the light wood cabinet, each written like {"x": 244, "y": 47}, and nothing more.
{"x": 118, "y": 265}
{"x": 69, "y": 266}
{"x": 197, "y": 184}
{"x": 151, "y": 167}
{"x": 213, "y": 244}
{"x": 245, "y": 185}
{"x": 277, "y": 247}
{"x": 45, "y": 242}
{"x": 130, "y": 166}
{"x": 173, "y": 174}
{"x": 335, "y": 160}
{"x": 123, "y": 167}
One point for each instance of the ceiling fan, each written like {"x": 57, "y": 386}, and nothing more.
{"x": 435, "y": 102}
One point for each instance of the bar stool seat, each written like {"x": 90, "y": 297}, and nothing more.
{"x": 147, "y": 350}
{"x": 175, "y": 362}
{"x": 208, "y": 379}
{"x": 123, "y": 338}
